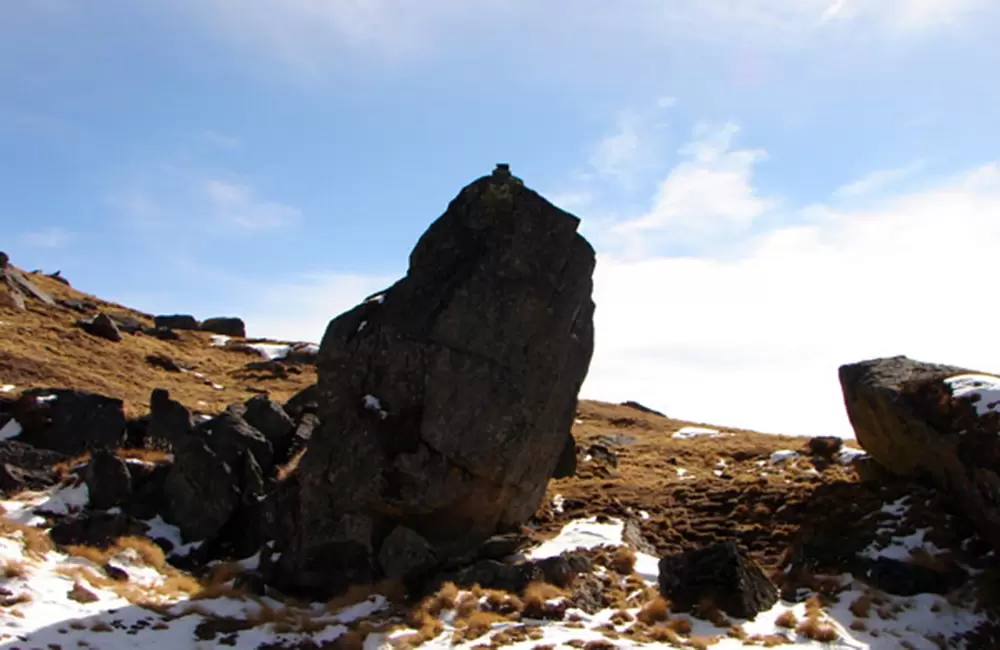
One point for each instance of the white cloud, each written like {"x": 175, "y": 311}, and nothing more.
{"x": 236, "y": 204}
{"x": 300, "y": 308}
{"x": 756, "y": 341}
{"x": 708, "y": 194}
{"x": 878, "y": 180}
{"x": 48, "y": 238}
{"x": 618, "y": 153}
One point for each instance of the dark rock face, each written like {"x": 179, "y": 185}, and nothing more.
{"x": 169, "y": 420}
{"x": 26, "y": 456}
{"x": 14, "y": 479}
{"x": 200, "y": 492}
{"x": 271, "y": 420}
{"x": 906, "y": 418}
{"x": 825, "y": 446}
{"x": 162, "y": 333}
{"x": 641, "y": 407}
{"x": 230, "y": 436}
{"x": 163, "y": 362}
{"x": 566, "y": 466}
{"x": 102, "y": 326}
{"x": 225, "y": 325}
{"x": 96, "y": 529}
{"x": 446, "y": 401}
{"x": 108, "y": 480}
{"x": 721, "y": 572}
{"x": 126, "y": 323}
{"x": 177, "y": 322}
{"x": 304, "y": 401}
{"x": 69, "y": 421}
{"x": 909, "y": 579}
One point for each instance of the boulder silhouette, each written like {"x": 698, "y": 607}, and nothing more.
{"x": 446, "y": 401}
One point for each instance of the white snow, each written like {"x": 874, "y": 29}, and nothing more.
{"x": 558, "y": 501}
{"x": 274, "y": 351}
{"x": 783, "y": 456}
{"x": 580, "y": 534}
{"x": 984, "y": 387}
{"x": 6, "y": 388}
{"x": 692, "y": 432}
{"x": 160, "y": 529}
{"x": 220, "y": 340}
{"x": 373, "y": 403}
{"x": 848, "y": 454}
{"x": 45, "y": 398}
{"x": 11, "y": 429}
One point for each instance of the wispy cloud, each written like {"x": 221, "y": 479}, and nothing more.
{"x": 879, "y": 180}
{"x": 709, "y": 193}
{"x": 51, "y": 238}
{"x": 221, "y": 140}
{"x": 237, "y": 204}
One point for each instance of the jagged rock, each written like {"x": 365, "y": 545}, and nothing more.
{"x": 301, "y": 354}
{"x": 640, "y": 407}
{"x": 163, "y": 362}
{"x": 102, "y": 326}
{"x": 632, "y": 536}
{"x": 601, "y": 454}
{"x": 905, "y": 416}
{"x": 23, "y": 455}
{"x": 229, "y": 435}
{"x": 446, "y": 400}
{"x": 148, "y": 481}
{"x": 271, "y": 420}
{"x": 69, "y": 421}
{"x": 161, "y": 333}
{"x": 58, "y": 277}
{"x": 14, "y": 479}
{"x": 109, "y": 482}
{"x": 76, "y": 304}
{"x": 499, "y": 547}
{"x": 19, "y": 286}
{"x": 909, "y": 579}
{"x": 825, "y": 446}
{"x": 98, "y": 529}
{"x": 301, "y": 437}
{"x": 404, "y": 553}
{"x": 200, "y": 491}
{"x": 566, "y": 466}
{"x": 722, "y": 573}
{"x": 126, "y": 323}
{"x": 169, "y": 420}
{"x": 226, "y": 326}
{"x": 304, "y": 401}
{"x": 177, "y": 322}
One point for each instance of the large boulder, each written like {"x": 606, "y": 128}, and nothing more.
{"x": 915, "y": 419}
{"x": 69, "y": 421}
{"x": 176, "y": 322}
{"x": 109, "y": 482}
{"x": 228, "y": 326}
{"x": 102, "y": 326}
{"x": 201, "y": 491}
{"x": 722, "y": 574}
{"x": 446, "y": 401}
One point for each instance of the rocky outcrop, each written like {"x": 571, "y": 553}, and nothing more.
{"x": 109, "y": 482}
{"x": 102, "y": 326}
{"x": 446, "y": 401}
{"x": 18, "y": 286}
{"x": 69, "y": 421}
{"x": 227, "y": 326}
{"x": 722, "y": 574}
{"x": 177, "y": 322}
{"x": 906, "y": 417}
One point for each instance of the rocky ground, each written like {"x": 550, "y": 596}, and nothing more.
{"x": 156, "y": 472}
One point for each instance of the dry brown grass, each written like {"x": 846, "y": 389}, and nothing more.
{"x": 476, "y": 625}
{"x": 13, "y": 600}
{"x": 655, "y": 611}
{"x": 41, "y": 348}
{"x": 35, "y": 541}
{"x": 787, "y": 620}
{"x": 536, "y": 599}
{"x": 623, "y": 560}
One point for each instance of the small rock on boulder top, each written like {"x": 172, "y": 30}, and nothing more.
{"x": 446, "y": 401}
{"x": 723, "y": 574}
{"x": 227, "y": 326}
{"x": 177, "y": 322}
{"x": 914, "y": 420}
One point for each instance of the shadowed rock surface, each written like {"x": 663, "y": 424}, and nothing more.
{"x": 904, "y": 415}
{"x": 447, "y": 400}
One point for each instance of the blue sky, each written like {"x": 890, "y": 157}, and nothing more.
{"x": 774, "y": 187}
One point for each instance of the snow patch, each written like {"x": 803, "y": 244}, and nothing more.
{"x": 693, "y": 432}
{"x": 6, "y": 388}
{"x": 984, "y": 389}
{"x": 580, "y": 534}
{"x": 220, "y": 340}
{"x": 847, "y": 455}
{"x": 11, "y": 429}
{"x": 783, "y": 456}
{"x": 374, "y": 404}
